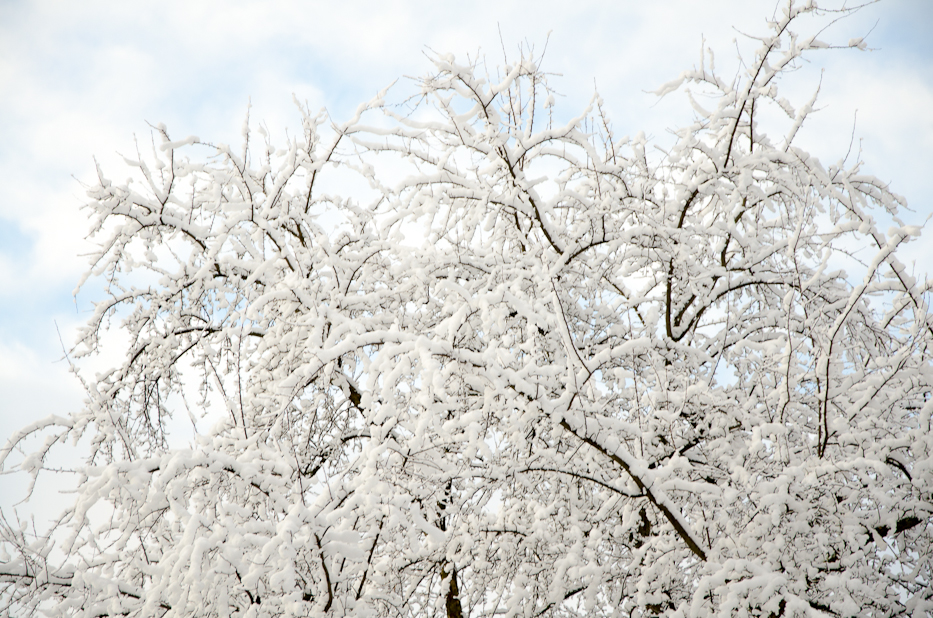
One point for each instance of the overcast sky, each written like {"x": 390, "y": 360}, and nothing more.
{"x": 81, "y": 79}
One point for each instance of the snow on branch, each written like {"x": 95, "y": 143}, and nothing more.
{"x": 455, "y": 357}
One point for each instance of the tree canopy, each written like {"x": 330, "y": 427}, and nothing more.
{"x": 456, "y": 357}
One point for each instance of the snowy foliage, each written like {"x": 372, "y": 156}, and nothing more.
{"x": 517, "y": 368}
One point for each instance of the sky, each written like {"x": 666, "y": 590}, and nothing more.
{"x": 80, "y": 82}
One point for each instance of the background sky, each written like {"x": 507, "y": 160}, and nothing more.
{"x": 79, "y": 80}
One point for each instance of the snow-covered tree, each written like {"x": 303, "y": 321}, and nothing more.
{"x": 454, "y": 357}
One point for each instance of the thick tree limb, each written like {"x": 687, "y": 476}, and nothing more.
{"x": 658, "y": 501}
